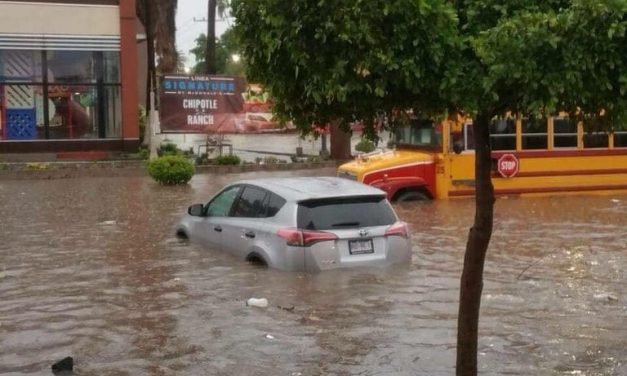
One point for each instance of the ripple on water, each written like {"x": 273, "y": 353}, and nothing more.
{"x": 95, "y": 272}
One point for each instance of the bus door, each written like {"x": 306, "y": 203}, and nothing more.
{"x": 462, "y": 157}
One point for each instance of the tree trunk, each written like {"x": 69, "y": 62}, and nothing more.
{"x": 476, "y": 247}
{"x": 340, "y": 143}
{"x": 150, "y": 49}
{"x": 210, "y": 52}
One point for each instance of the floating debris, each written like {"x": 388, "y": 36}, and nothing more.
{"x": 606, "y": 296}
{"x": 63, "y": 365}
{"x": 255, "y": 302}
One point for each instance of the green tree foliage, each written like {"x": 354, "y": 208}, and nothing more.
{"x": 365, "y": 146}
{"x": 226, "y": 47}
{"x": 336, "y": 62}
{"x": 333, "y": 60}
{"x": 171, "y": 169}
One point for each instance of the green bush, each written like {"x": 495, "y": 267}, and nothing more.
{"x": 228, "y": 160}
{"x": 270, "y": 160}
{"x": 143, "y": 153}
{"x": 365, "y": 146}
{"x": 171, "y": 169}
{"x": 168, "y": 149}
{"x": 202, "y": 159}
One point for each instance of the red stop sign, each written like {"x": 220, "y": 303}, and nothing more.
{"x": 508, "y": 165}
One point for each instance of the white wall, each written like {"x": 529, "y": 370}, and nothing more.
{"x": 46, "y": 18}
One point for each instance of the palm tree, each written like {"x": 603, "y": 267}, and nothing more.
{"x": 158, "y": 18}
{"x": 219, "y": 7}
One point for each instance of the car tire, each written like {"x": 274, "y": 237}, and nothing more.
{"x": 256, "y": 259}
{"x": 181, "y": 234}
{"x": 411, "y": 196}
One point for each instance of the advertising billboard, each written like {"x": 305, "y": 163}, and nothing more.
{"x": 213, "y": 104}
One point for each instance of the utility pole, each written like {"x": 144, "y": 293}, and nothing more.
{"x": 210, "y": 52}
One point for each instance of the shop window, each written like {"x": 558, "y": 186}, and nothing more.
{"x": 503, "y": 134}
{"x": 71, "y": 67}
{"x": 20, "y": 66}
{"x": 21, "y": 112}
{"x": 111, "y": 63}
{"x": 564, "y": 132}
{"x": 74, "y": 110}
{"x": 59, "y": 94}
{"x": 534, "y": 133}
{"x": 112, "y": 111}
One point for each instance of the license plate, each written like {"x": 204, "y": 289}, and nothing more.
{"x": 360, "y": 247}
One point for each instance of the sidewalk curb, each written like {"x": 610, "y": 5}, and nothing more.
{"x": 68, "y": 170}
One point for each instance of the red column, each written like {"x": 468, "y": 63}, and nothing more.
{"x": 128, "y": 65}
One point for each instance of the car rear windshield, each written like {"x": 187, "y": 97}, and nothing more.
{"x": 346, "y": 212}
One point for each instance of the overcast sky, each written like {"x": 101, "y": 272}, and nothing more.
{"x": 187, "y": 30}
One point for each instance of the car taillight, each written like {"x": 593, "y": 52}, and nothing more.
{"x": 398, "y": 229}
{"x": 304, "y": 238}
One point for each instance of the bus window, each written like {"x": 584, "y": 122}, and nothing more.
{"x": 503, "y": 134}
{"x": 564, "y": 132}
{"x": 469, "y": 137}
{"x": 420, "y": 133}
{"x": 620, "y": 139}
{"x": 464, "y": 140}
{"x": 534, "y": 133}
{"x": 596, "y": 140}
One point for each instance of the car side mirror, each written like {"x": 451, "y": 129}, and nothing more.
{"x": 197, "y": 210}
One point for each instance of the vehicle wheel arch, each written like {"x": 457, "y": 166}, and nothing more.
{"x": 182, "y": 233}
{"x": 412, "y": 193}
{"x": 257, "y": 257}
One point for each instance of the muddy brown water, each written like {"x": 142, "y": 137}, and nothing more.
{"x": 90, "y": 268}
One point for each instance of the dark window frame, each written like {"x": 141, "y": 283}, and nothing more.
{"x": 100, "y": 85}
{"x": 235, "y": 206}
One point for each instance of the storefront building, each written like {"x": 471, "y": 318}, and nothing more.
{"x": 68, "y": 76}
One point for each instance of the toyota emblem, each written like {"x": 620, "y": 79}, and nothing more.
{"x": 363, "y": 232}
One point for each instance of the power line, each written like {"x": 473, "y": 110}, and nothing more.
{"x": 221, "y": 19}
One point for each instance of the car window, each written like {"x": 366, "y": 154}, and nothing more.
{"x": 275, "y": 203}
{"x": 342, "y": 213}
{"x": 221, "y": 205}
{"x": 251, "y": 203}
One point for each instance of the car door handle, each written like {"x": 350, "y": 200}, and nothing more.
{"x": 249, "y": 234}
{"x": 217, "y": 229}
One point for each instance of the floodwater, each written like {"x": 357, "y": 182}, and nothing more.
{"x": 89, "y": 268}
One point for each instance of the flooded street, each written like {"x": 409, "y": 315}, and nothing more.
{"x": 90, "y": 268}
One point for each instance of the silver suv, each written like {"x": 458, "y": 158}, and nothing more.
{"x": 301, "y": 224}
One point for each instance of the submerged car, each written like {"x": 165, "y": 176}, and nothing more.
{"x": 301, "y": 224}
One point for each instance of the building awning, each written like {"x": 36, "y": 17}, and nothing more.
{"x": 58, "y": 26}
{"x": 59, "y": 42}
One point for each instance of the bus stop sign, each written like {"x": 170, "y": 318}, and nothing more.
{"x": 508, "y": 165}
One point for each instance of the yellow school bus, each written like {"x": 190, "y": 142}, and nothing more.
{"x": 530, "y": 156}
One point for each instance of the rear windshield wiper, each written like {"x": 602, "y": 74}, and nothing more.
{"x": 345, "y": 224}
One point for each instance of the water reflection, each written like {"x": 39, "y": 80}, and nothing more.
{"x": 90, "y": 268}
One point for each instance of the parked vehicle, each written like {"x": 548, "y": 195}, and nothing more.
{"x": 558, "y": 155}
{"x": 301, "y": 224}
